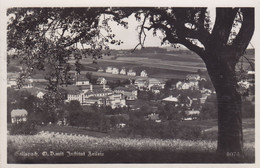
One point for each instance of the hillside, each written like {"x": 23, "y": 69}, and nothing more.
{"x": 158, "y": 62}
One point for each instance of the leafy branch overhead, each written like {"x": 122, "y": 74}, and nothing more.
{"x": 48, "y": 37}
{"x": 193, "y": 28}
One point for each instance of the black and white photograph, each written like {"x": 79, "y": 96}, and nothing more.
{"x": 129, "y": 85}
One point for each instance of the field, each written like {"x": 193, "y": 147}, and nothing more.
{"x": 58, "y": 144}
{"x": 174, "y": 64}
{"x": 166, "y": 65}
{"x": 158, "y": 65}
{"x": 55, "y": 148}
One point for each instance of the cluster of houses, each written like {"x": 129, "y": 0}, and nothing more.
{"x": 153, "y": 84}
{"x": 123, "y": 71}
{"x": 191, "y": 82}
{"x": 100, "y": 93}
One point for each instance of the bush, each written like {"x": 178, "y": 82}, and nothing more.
{"x": 23, "y": 128}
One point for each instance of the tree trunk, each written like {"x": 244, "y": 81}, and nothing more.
{"x": 230, "y": 136}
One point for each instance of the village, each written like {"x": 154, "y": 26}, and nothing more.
{"x": 100, "y": 94}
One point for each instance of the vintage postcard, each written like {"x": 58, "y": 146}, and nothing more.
{"x": 129, "y": 84}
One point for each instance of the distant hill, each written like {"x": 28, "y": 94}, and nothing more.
{"x": 157, "y": 61}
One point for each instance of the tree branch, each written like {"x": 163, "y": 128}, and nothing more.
{"x": 224, "y": 21}
{"x": 141, "y": 42}
{"x": 246, "y": 31}
{"x": 198, "y": 50}
{"x": 202, "y": 35}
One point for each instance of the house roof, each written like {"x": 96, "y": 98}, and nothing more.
{"x": 81, "y": 78}
{"x": 99, "y": 87}
{"x": 96, "y": 97}
{"x": 125, "y": 89}
{"x": 74, "y": 92}
{"x": 98, "y": 91}
{"x": 153, "y": 80}
{"x": 18, "y": 112}
{"x": 84, "y": 87}
{"x": 100, "y": 78}
{"x": 140, "y": 80}
{"x": 41, "y": 93}
{"x": 171, "y": 99}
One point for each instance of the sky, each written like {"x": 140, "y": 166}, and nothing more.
{"x": 130, "y": 36}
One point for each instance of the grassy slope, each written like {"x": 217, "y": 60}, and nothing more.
{"x": 115, "y": 150}
{"x": 124, "y": 150}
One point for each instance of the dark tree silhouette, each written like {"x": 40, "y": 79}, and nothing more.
{"x": 50, "y": 36}
{"x": 220, "y": 48}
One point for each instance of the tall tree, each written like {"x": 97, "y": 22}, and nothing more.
{"x": 220, "y": 48}
{"x": 51, "y": 35}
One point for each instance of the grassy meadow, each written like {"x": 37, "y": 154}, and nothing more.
{"x": 112, "y": 150}
{"x": 53, "y": 144}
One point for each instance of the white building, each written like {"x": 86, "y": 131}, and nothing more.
{"x": 40, "y": 94}
{"x": 131, "y": 73}
{"x": 128, "y": 93}
{"x": 123, "y": 71}
{"x": 98, "y": 93}
{"x": 76, "y": 95}
{"x": 244, "y": 83}
{"x": 193, "y": 77}
{"x": 81, "y": 81}
{"x": 251, "y": 72}
{"x": 109, "y": 69}
{"x": 99, "y": 101}
{"x": 191, "y": 115}
{"x": 115, "y": 100}
{"x": 18, "y": 115}
{"x": 155, "y": 82}
{"x": 141, "y": 83}
{"x": 101, "y": 81}
{"x": 143, "y": 73}
{"x": 27, "y": 84}
{"x": 182, "y": 85}
{"x": 194, "y": 84}
{"x": 115, "y": 71}
{"x": 100, "y": 69}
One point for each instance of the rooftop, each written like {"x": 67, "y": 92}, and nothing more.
{"x": 125, "y": 88}
{"x": 18, "y": 112}
{"x": 171, "y": 99}
{"x": 98, "y": 91}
